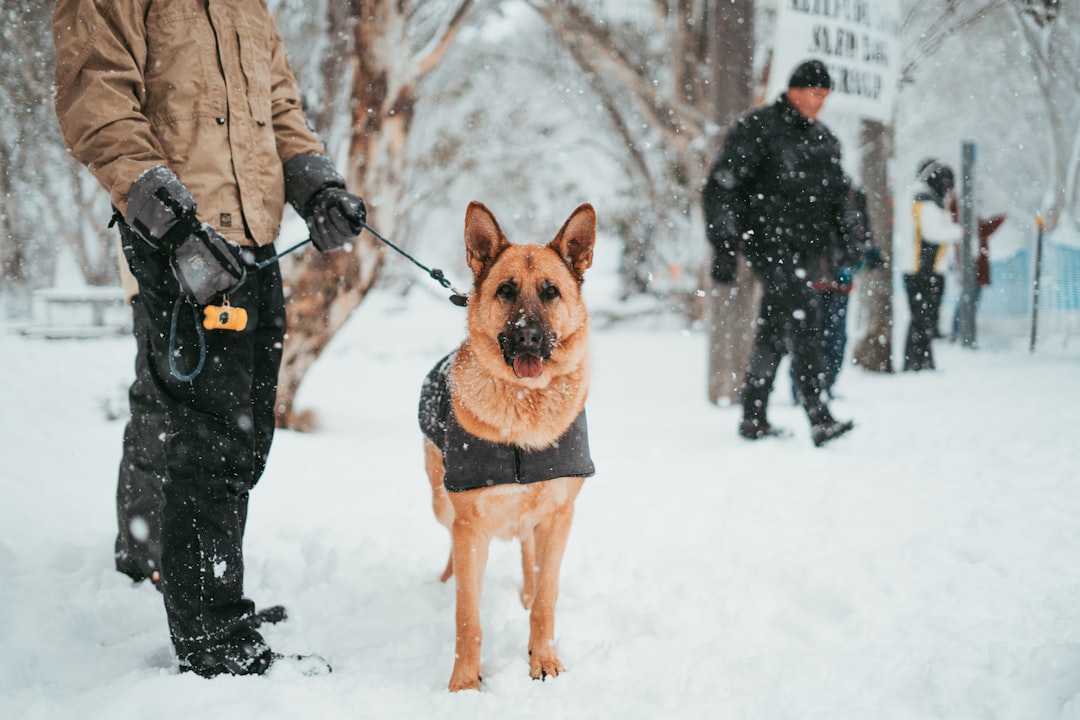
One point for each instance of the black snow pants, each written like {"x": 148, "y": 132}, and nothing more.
{"x": 924, "y": 291}
{"x": 789, "y": 319}
{"x": 142, "y": 467}
{"x": 217, "y": 430}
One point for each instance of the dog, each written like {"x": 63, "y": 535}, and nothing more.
{"x": 506, "y": 443}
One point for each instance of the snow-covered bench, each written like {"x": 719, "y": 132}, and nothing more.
{"x": 63, "y": 324}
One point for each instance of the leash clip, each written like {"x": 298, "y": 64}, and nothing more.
{"x": 458, "y": 298}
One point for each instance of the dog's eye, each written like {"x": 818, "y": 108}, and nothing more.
{"x": 549, "y": 291}
{"x": 507, "y": 291}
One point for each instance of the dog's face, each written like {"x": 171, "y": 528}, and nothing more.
{"x": 525, "y": 310}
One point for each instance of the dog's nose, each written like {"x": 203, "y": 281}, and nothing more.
{"x": 527, "y": 338}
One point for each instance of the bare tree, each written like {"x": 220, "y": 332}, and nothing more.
{"x": 41, "y": 186}
{"x": 686, "y": 67}
{"x": 538, "y": 152}
{"x": 1052, "y": 44}
{"x": 385, "y": 67}
{"x": 927, "y": 24}
{"x": 654, "y": 73}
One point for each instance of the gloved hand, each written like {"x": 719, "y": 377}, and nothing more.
{"x": 874, "y": 257}
{"x": 316, "y": 190}
{"x": 723, "y": 267}
{"x": 205, "y": 264}
{"x": 335, "y": 218}
{"x": 162, "y": 211}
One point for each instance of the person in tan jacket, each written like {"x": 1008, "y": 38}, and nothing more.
{"x": 188, "y": 114}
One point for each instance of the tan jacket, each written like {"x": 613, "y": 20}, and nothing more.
{"x": 200, "y": 86}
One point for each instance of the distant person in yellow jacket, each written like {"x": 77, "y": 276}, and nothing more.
{"x": 935, "y": 231}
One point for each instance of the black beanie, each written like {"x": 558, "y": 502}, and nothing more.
{"x": 811, "y": 74}
{"x": 938, "y": 177}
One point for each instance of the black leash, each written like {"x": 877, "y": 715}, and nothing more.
{"x": 174, "y": 352}
{"x": 458, "y": 298}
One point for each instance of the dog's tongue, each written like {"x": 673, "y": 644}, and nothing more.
{"x": 528, "y": 366}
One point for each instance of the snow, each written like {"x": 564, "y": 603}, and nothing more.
{"x": 925, "y": 566}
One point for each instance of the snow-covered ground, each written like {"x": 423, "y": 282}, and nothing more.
{"x": 925, "y": 566}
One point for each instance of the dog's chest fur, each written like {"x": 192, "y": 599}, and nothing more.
{"x": 473, "y": 462}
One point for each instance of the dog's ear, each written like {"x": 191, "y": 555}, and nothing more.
{"x": 575, "y": 241}
{"x": 484, "y": 239}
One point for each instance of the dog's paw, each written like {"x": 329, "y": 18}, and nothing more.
{"x": 465, "y": 679}
{"x": 466, "y": 676}
{"x": 543, "y": 666}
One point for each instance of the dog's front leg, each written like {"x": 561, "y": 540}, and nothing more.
{"x": 551, "y": 537}
{"x": 469, "y": 553}
{"x": 528, "y": 569}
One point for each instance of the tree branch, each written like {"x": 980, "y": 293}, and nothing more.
{"x": 949, "y": 20}
{"x": 434, "y": 54}
{"x": 595, "y": 51}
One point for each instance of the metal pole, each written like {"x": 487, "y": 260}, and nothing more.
{"x": 1035, "y": 280}
{"x": 967, "y": 264}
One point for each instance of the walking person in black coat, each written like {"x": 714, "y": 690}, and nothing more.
{"x": 777, "y": 194}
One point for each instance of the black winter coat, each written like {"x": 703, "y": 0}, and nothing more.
{"x": 777, "y": 193}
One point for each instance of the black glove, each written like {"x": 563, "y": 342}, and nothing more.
{"x": 335, "y": 218}
{"x": 317, "y": 192}
{"x": 162, "y": 211}
{"x": 723, "y": 267}
{"x": 875, "y": 257}
{"x": 205, "y": 264}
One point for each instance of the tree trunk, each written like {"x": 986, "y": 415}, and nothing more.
{"x": 711, "y": 67}
{"x": 323, "y": 289}
{"x": 14, "y": 284}
{"x": 874, "y": 350}
{"x": 731, "y": 308}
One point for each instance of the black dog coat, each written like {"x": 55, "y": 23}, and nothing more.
{"x": 471, "y": 462}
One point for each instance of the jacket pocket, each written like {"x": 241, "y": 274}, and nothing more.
{"x": 180, "y": 54}
{"x": 255, "y": 59}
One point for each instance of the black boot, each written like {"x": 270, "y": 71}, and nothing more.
{"x": 823, "y": 426}
{"x": 250, "y": 657}
{"x": 245, "y": 653}
{"x": 755, "y": 429}
{"x": 755, "y": 398}
{"x": 824, "y": 432}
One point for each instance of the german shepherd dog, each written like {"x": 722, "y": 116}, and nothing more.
{"x": 506, "y": 446}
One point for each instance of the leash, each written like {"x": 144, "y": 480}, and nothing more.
{"x": 173, "y": 352}
{"x": 458, "y": 298}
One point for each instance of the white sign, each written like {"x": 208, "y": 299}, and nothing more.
{"x": 857, "y": 39}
